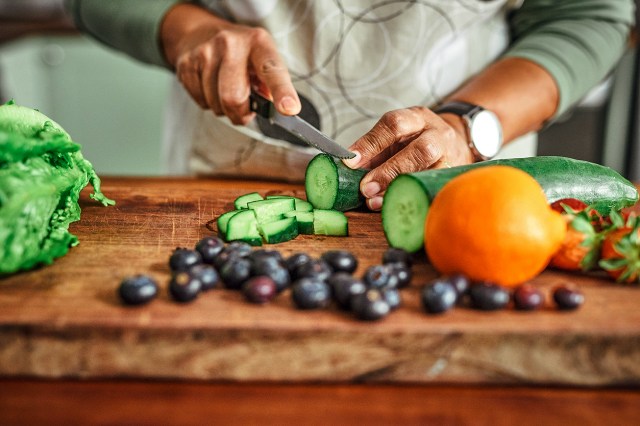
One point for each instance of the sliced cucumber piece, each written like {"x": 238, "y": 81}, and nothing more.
{"x": 330, "y": 222}
{"x": 300, "y": 204}
{"x": 271, "y": 209}
{"x": 303, "y": 206}
{"x": 304, "y": 219}
{"x": 330, "y": 184}
{"x": 404, "y": 211}
{"x": 243, "y": 226}
{"x": 279, "y": 231}
{"x": 223, "y": 221}
{"x": 241, "y": 201}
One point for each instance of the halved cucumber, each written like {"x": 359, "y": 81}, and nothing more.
{"x": 330, "y": 184}
{"x": 241, "y": 201}
{"x": 243, "y": 227}
{"x": 407, "y": 198}
{"x": 279, "y": 231}
{"x": 223, "y": 221}
{"x": 304, "y": 219}
{"x": 330, "y": 222}
{"x": 271, "y": 209}
{"x": 404, "y": 211}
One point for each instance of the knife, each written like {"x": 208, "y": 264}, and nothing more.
{"x": 297, "y": 127}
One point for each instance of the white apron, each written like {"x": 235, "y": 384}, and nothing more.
{"x": 353, "y": 60}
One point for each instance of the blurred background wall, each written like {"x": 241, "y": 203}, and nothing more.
{"x": 113, "y": 106}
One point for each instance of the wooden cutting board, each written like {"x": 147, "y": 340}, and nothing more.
{"x": 65, "y": 320}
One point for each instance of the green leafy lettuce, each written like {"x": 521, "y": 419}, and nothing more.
{"x": 42, "y": 172}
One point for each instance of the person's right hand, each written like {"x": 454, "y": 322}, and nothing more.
{"x": 217, "y": 62}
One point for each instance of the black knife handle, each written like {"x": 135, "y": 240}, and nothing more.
{"x": 261, "y": 105}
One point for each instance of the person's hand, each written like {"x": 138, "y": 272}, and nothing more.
{"x": 217, "y": 62}
{"x": 405, "y": 141}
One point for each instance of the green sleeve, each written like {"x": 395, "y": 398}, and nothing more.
{"x": 577, "y": 41}
{"x": 129, "y": 26}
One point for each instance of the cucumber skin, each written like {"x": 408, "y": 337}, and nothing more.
{"x": 348, "y": 196}
{"x": 560, "y": 177}
{"x": 289, "y": 233}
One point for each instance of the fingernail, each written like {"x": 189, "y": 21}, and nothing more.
{"x": 371, "y": 189}
{"x": 353, "y": 162}
{"x": 375, "y": 203}
{"x": 289, "y": 105}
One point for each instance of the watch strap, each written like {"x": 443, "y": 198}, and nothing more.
{"x": 458, "y": 107}
{"x": 467, "y": 112}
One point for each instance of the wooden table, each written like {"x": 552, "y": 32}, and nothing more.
{"x": 68, "y": 344}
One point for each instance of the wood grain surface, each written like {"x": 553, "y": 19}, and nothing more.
{"x": 124, "y": 402}
{"x": 65, "y": 321}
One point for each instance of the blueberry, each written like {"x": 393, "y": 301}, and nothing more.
{"x": 235, "y": 272}
{"x": 184, "y": 288}
{"x": 207, "y": 275}
{"x": 400, "y": 274}
{"x": 295, "y": 260}
{"x": 225, "y": 257}
{"x": 239, "y": 247}
{"x": 370, "y": 305}
{"x": 488, "y": 296}
{"x": 138, "y": 290}
{"x": 527, "y": 298}
{"x": 344, "y": 286}
{"x": 340, "y": 260}
{"x": 267, "y": 255}
{"x": 392, "y": 297}
{"x": 182, "y": 259}
{"x": 260, "y": 265}
{"x": 316, "y": 268}
{"x": 394, "y": 255}
{"x": 461, "y": 283}
{"x": 209, "y": 248}
{"x": 377, "y": 276}
{"x": 310, "y": 293}
{"x": 438, "y": 296}
{"x": 259, "y": 289}
{"x": 272, "y": 268}
{"x": 567, "y": 298}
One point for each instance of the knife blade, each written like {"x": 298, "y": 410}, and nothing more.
{"x": 297, "y": 127}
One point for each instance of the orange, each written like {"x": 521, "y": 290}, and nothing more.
{"x": 493, "y": 224}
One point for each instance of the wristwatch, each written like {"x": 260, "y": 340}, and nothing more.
{"x": 484, "y": 131}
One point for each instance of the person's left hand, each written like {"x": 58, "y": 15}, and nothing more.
{"x": 405, "y": 141}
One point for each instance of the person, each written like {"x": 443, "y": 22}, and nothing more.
{"x": 396, "y": 82}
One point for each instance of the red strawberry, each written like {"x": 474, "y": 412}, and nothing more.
{"x": 573, "y": 203}
{"x": 621, "y": 251}
{"x": 581, "y": 246}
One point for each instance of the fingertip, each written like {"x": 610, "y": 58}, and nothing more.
{"x": 289, "y": 105}
{"x": 371, "y": 189}
{"x": 375, "y": 203}
{"x": 352, "y": 162}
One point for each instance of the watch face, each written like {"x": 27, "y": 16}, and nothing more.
{"x": 486, "y": 133}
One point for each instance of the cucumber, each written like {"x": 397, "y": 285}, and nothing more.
{"x": 304, "y": 219}
{"x": 404, "y": 210}
{"x": 276, "y": 219}
{"x": 330, "y": 184}
{"x": 271, "y": 209}
{"x": 279, "y": 231}
{"x": 407, "y": 198}
{"x": 242, "y": 226}
{"x": 223, "y": 221}
{"x": 330, "y": 222}
{"x": 241, "y": 201}
{"x": 300, "y": 204}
